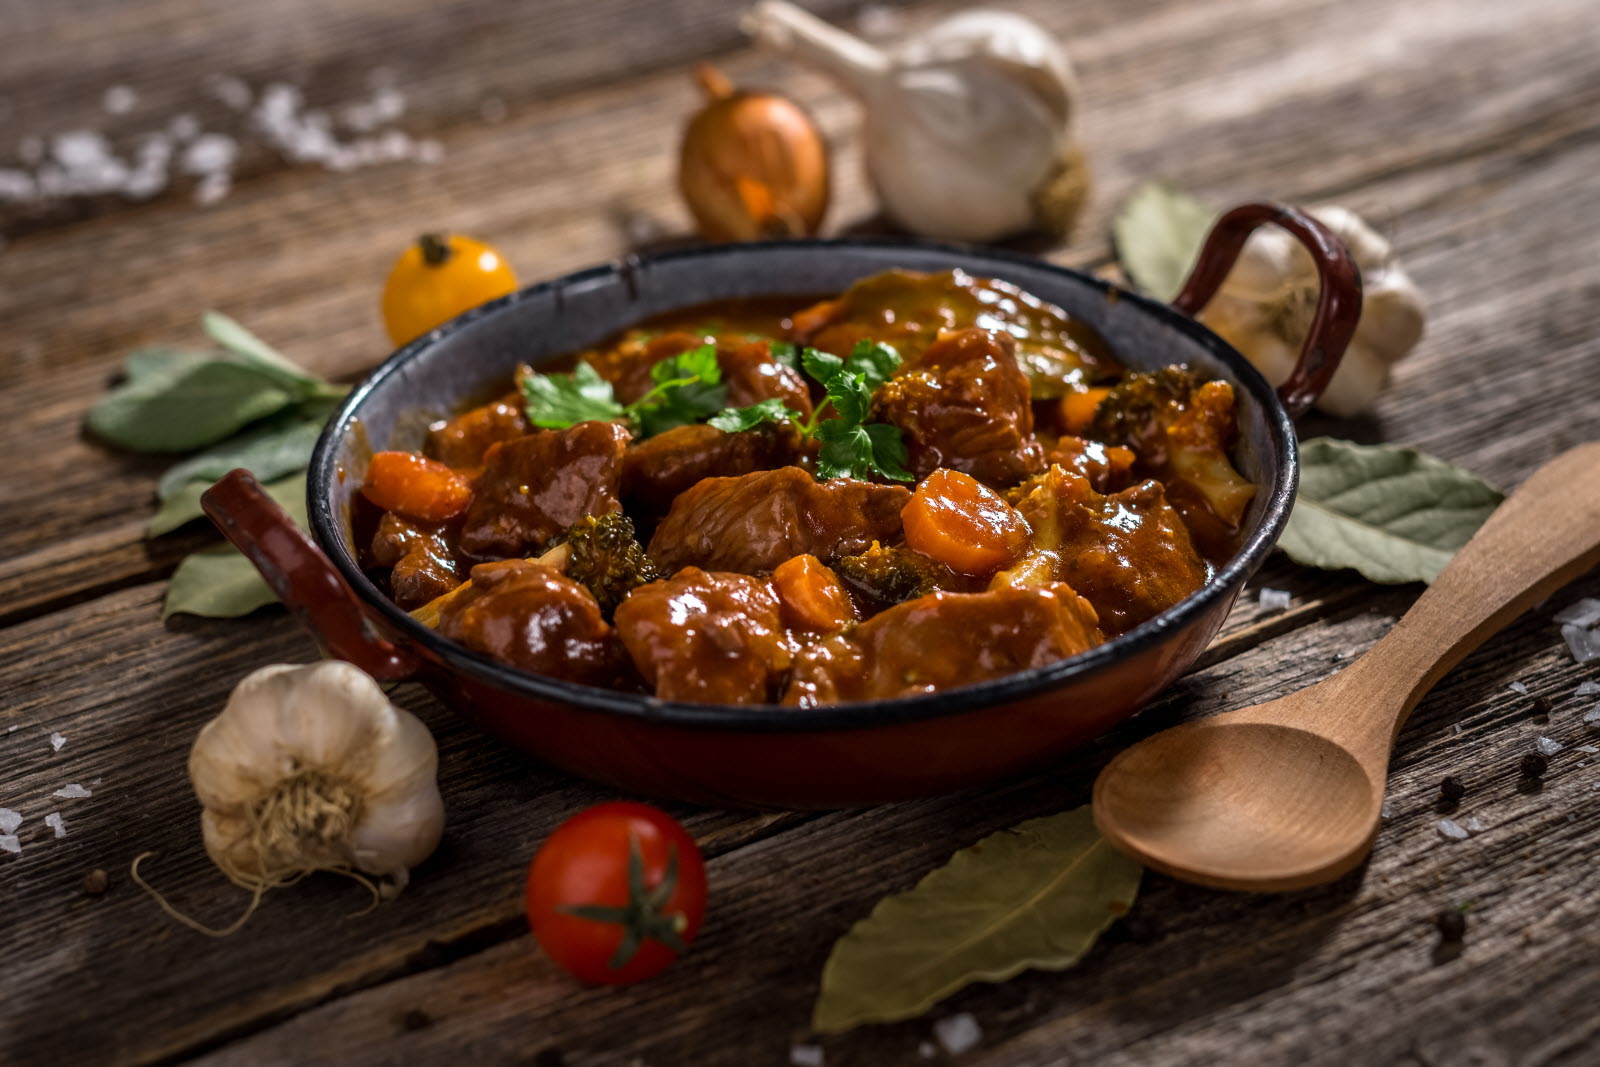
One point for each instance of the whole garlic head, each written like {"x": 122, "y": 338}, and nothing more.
{"x": 1265, "y": 306}
{"x": 968, "y": 126}
{"x": 310, "y": 768}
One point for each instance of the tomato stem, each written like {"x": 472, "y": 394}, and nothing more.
{"x": 435, "y": 249}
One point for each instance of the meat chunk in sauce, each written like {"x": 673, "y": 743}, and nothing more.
{"x": 530, "y": 616}
{"x": 422, "y": 556}
{"x": 1107, "y": 467}
{"x": 909, "y": 310}
{"x": 533, "y": 488}
{"x": 1180, "y": 428}
{"x": 708, "y": 637}
{"x": 752, "y": 523}
{"x": 944, "y": 640}
{"x": 461, "y": 442}
{"x": 1128, "y": 554}
{"x": 965, "y": 405}
{"x": 657, "y": 469}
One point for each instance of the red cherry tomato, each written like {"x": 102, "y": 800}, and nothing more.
{"x": 616, "y": 893}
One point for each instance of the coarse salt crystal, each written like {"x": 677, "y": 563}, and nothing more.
{"x": 1590, "y": 749}
{"x": 1474, "y": 825}
{"x": 13, "y": 728}
{"x": 56, "y": 823}
{"x": 958, "y": 1033}
{"x": 1583, "y": 644}
{"x": 1454, "y": 831}
{"x": 72, "y": 792}
{"x": 119, "y": 100}
{"x": 9, "y": 843}
{"x": 1587, "y": 689}
{"x": 1387, "y": 811}
{"x": 56, "y": 741}
{"x": 805, "y": 1055}
{"x": 212, "y": 187}
{"x": 1275, "y": 599}
{"x": 1518, "y": 687}
{"x": 9, "y": 820}
{"x": 1584, "y": 613}
{"x": 17, "y": 185}
{"x": 210, "y": 154}
{"x": 1548, "y": 746}
{"x": 1458, "y": 728}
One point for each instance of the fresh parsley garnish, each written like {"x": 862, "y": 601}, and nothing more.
{"x": 688, "y": 387}
{"x": 737, "y": 420}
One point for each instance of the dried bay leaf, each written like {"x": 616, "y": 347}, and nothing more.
{"x": 270, "y": 450}
{"x": 1393, "y": 514}
{"x": 1158, "y": 232}
{"x": 1036, "y": 895}
{"x": 219, "y": 582}
{"x": 180, "y": 405}
{"x": 257, "y": 353}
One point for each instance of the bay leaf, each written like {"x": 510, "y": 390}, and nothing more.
{"x": 257, "y": 353}
{"x": 181, "y": 507}
{"x": 270, "y": 450}
{"x": 1393, "y": 514}
{"x": 181, "y": 406}
{"x": 158, "y": 359}
{"x": 1158, "y": 232}
{"x": 1036, "y": 895}
{"x": 219, "y": 582}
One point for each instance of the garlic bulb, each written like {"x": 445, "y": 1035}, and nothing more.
{"x": 968, "y": 126}
{"x": 752, "y": 165}
{"x": 312, "y": 768}
{"x": 1265, "y": 305}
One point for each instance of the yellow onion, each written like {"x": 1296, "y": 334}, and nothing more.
{"x": 752, "y": 165}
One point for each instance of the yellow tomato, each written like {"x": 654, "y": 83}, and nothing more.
{"x": 438, "y": 278}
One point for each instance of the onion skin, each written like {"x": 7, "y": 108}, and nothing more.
{"x": 752, "y": 165}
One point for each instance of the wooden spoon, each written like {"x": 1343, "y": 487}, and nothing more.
{"x": 1286, "y": 794}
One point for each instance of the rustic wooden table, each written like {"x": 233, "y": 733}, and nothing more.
{"x": 1467, "y": 129}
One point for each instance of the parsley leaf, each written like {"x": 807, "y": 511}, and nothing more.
{"x": 850, "y": 394}
{"x": 736, "y": 420}
{"x": 688, "y": 388}
{"x": 556, "y": 401}
{"x": 874, "y": 360}
{"x": 785, "y": 352}
{"x": 888, "y": 451}
{"x": 820, "y": 365}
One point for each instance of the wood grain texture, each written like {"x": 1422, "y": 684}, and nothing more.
{"x": 1466, "y": 130}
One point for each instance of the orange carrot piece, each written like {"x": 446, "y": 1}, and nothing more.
{"x": 1078, "y": 408}
{"x": 416, "y": 487}
{"x": 810, "y": 596}
{"x": 962, "y": 523}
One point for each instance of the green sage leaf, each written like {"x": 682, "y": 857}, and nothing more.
{"x": 1393, "y": 514}
{"x": 159, "y": 360}
{"x": 1158, "y": 232}
{"x": 1037, "y": 895}
{"x": 219, "y": 582}
{"x": 271, "y": 450}
{"x": 255, "y": 352}
{"x": 183, "y": 406}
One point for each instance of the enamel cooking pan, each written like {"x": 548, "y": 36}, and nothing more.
{"x": 841, "y": 755}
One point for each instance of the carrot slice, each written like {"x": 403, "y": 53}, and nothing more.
{"x": 962, "y": 523}
{"x": 416, "y": 487}
{"x": 1078, "y": 408}
{"x": 810, "y": 596}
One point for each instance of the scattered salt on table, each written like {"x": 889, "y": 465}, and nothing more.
{"x": 56, "y": 741}
{"x": 13, "y": 728}
{"x": 72, "y": 792}
{"x": 56, "y": 823}
{"x": 958, "y": 1033}
{"x": 1518, "y": 687}
{"x": 1587, "y": 689}
{"x": 1474, "y": 825}
{"x": 1589, "y": 749}
{"x": 1275, "y": 599}
{"x": 1387, "y": 811}
{"x": 1583, "y": 644}
{"x": 1548, "y": 746}
{"x": 9, "y": 821}
{"x": 1592, "y": 715}
{"x": 1454, "y": 831}
{"x": 805, "y": 1055}
{"x": 1584, "y": 613}
{"x": 9, "y": 843}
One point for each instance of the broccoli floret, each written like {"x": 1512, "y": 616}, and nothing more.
{"x": 890, "y": 575}
{"x": 604, "y": 556}
{"x": 1140, "y": 407}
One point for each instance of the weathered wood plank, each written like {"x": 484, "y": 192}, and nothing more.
{"x": 1341, "y": 974}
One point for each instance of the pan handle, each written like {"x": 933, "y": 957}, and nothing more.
{"x": 302, "y": 576}
{"x": 1338, "y": 303}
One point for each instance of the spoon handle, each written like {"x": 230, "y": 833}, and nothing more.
{"x": 1545, "y": 534}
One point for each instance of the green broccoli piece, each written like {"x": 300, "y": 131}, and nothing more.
{"x": 604, "y": 556}
{"x": 1141, "y": 406}
{"x": 894, "y": 573}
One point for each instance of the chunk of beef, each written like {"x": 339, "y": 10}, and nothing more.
{"x": 708, "y": 637}
{"x": 1128, "y": 554}
{"x": 963, "y": 404}
{"x": 528, "y": 615}
{"x": 1180, "y": 428}
{"x": 944, "y": 640}
{"x": 422, "y": 555}
{"x": 752, "y": 523}
{"x": 536, "y": 486}
{"x": 461, "y": 442}
{"x": 657, "y": 469}
{"x": 1107, "y": 467}
{"x": 909, "y": 310}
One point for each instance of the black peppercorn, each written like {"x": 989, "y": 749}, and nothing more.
{"x": 1452, "y": 788}
{"x": 1542, "y": 707}
{"x": 95, "y": 882}
{"x": 1533, "y": 765}
{"x": 1452, "y": 925}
